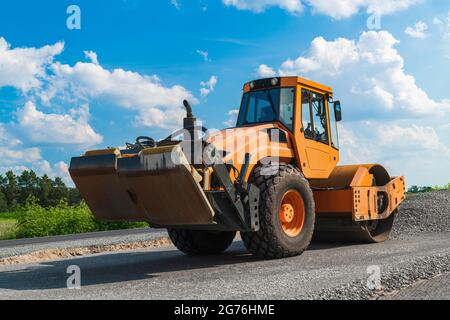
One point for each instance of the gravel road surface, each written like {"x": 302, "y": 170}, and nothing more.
{"x": 415, "y": 263}
{"x": 437, "y": 288}
{"x": 324, "y": 271}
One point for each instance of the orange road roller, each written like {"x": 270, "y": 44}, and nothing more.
{"x": 274, "y": 178}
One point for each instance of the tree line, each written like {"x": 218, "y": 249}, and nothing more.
{"x": 15, "y": 190}
{"x": 423, "y": 189}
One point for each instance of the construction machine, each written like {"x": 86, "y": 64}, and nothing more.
{"x": 274, "y": 178}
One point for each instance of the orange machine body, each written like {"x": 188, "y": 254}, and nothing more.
{"x": 351, "y": 190}
{"x": 139, "y": 183}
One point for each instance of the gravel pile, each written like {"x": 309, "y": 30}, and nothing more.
{"x": 419, "y": 214}
{"x": 397, "y": 278}
{"x": 423, "y": 213}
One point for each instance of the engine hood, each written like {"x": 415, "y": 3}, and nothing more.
{"x": 269, "y": 140}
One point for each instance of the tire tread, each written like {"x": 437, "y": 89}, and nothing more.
{"x": 265, "y": 243}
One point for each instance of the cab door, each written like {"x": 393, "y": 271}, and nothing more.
{"x": 317, "y": 154}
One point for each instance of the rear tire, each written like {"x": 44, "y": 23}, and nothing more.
{"x": 199, "y": 242}
{"x": 282, "y": 236}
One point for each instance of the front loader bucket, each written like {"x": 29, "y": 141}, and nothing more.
{"x": 158, "y": 185}
{"x": 95, "y": 176}
{"x": 163, "y": 182}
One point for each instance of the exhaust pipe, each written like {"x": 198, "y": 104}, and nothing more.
{"x": 192, "y": 144}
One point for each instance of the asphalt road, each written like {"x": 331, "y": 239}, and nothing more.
{"x": 75, "y": 237}
{"x": 324, "y": 271}
{"x": 12, "y": 248}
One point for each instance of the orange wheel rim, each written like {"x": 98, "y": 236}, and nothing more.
{"x": 292, "y": 213}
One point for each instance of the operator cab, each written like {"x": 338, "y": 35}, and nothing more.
{"x": 305, "y": 108}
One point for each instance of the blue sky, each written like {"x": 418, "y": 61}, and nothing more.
{"x": 393, "y": 81}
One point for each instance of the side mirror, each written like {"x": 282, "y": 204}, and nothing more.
{"x": 337, "y": 111}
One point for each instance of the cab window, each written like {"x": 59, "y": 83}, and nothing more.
{"x": 333, "y": 127}
{"x": 259, "y": 107}
{"x": 287, "y": 107}
{"x": 314, "y": 116}
{"x": 306, "y": 115}
{"x": 265, "y": 106}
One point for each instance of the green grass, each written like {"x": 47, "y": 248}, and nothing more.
{"x": 8, "y": 216}
{"x": 33, "y": 221}
{"x": 8, "y": 224}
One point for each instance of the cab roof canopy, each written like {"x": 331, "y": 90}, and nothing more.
{"x": 275, "y": 82}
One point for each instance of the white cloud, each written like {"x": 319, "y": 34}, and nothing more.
{"x": 384, "y": 109}
{"x": 336, "y": 9}
{"x": 70, "y": 129}
{"x": 402, "y": 149}
{"x": 370, "y": 69}
{"x": 35, "y": 73}
{"x": 25, "y": 68}
{"x": 443, "y": 23}
{"x": 156, "y": 105}
{"x": 29, "y": 68}
{"x": 6, "y": 139}
{"x": 410, "y": 138}
{"x": 92, "y": 56}
{"x": 419, "y": 30}
{"x": 347, "y": 8}
{"x": 41, "y": 167}
{"x": 59, "y": 169}
{"x": 292, "y": 6}
{"x": 232, "y": 118}
{"x": 437, "y": 21}
{"x": 264, "y": 71}
{"x": 351, "y": 149}
{"x": 324, "y": 57}
{"x": 442, "y": 20}
{"x": 208, "y": 86}
{"x": 176, "y": 4}
{"x": 13, "y": 154}
{"x": 204, "y": 55}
